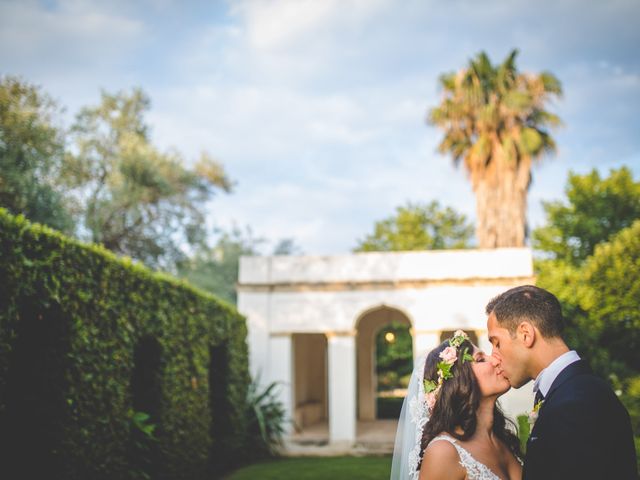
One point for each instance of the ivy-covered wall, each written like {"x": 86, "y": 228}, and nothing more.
{"x": 87, "y": 340}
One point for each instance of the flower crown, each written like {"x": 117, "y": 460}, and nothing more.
{"x": 448, "y": 356}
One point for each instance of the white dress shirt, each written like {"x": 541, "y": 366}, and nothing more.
{"x": 546, "y": 377}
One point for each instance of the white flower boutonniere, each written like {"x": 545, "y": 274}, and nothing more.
{"x": 533, "y": 414}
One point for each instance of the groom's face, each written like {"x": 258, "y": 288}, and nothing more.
{"x": 508, "y": 352}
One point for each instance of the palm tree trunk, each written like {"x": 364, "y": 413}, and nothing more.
{"x": 501, "y": 202}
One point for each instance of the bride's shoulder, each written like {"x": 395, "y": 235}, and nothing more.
{"x": 443, "y": 438}
{"x": 441, "y": 446}
{"x": 441, "y": 460}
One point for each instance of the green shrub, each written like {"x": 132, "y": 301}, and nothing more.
{"x": 73, "y": 319}
{"x": 600, "y": 298}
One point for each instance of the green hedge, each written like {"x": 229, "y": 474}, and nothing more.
{"x": 80, "y": 330}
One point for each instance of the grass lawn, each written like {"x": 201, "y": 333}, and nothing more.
{"x": 317, "y": 468}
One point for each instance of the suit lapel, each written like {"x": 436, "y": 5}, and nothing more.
{"x": 579, "y": 367}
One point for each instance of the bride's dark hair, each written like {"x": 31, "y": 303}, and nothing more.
{"x": 455, "y": 409}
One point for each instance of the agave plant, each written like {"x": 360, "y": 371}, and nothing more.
{"x": 267, "y": 417}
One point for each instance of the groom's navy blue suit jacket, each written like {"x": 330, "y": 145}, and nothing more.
{"x": 582, "y": 431}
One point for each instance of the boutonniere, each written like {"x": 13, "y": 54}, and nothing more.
{"x": 533, "y": 414}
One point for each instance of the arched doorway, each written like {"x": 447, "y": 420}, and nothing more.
{"x": 36, "y": 409}
{"x": 146, "y": 401}
{"x": 384, "y": 323}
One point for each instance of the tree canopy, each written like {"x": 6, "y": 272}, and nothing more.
{"x": 416, "y": 226}
{"x": 592, "y": 264}
{"x": 31, "y": 154}
{"x": 136, "y": 199}
{"x": 595, "y": 208}
{"x": 215, "y": 268}
{"x": 612, "y": 295}
{"x": 103, "y": 180}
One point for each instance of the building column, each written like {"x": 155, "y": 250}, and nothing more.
{"x": 342, "y": 387}
{"x": 280, "y": 369}
{"x": 483, "y": 341}
{"x": 367, "y": 381}
{"x": 424, "y": 341}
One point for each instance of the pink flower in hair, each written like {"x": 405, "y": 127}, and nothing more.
{"x": 449, "y": 355}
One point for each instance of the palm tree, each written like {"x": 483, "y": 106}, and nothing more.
{"x": 495, "y": 121}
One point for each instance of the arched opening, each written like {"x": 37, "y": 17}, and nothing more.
{"x": 146, "y": 393}
{"x": 310, "y": 380}
{"x": 32, "y": 424}
{"x": 394, "y": 365}
{"x": 384, "y": 361}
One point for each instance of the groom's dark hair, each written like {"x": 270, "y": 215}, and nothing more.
{"x": 530, "y": 303}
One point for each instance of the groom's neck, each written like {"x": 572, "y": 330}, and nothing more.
{"x": 545, "y": 352}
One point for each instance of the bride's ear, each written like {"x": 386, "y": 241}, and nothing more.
{"x": 527, "y": 334}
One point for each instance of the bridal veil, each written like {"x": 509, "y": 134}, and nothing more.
{"x": 413, "y": 417}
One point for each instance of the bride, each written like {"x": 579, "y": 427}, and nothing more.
{"x": 451, "y": 426}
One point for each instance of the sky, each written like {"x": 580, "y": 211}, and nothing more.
{"x": 317, "y": 108}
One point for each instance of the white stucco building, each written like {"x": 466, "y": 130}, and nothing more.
{"x": 312, "y": 321}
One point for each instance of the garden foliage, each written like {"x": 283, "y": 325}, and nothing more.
{"x": 591, "y": 262}
{"x": 601, "y": 301}
{"x": 108, "y": 370}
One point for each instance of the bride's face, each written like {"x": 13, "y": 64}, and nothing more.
{"x": 490, "y": 380}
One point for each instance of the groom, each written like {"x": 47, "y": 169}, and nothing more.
{"x": 581, "y": 429}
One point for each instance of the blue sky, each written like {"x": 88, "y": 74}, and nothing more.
{"x": 317, "y": 108}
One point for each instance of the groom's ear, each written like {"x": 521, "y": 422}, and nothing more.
{"x": 526, "y": 334}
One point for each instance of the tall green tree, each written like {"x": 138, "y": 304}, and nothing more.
{"x": 611, "y": 296}
{"x": 595, "y": 208}
{"x": 591, "y": 244}
{"x": 585, "y": 247}
{"x": 216, "y": 269}
{"x": 418, "y": 226}
{"x": 31, "y": 154}
{"x": 601, "y": 302}
{"x": 136, "y": 199}
{"x": 496, "y": 123}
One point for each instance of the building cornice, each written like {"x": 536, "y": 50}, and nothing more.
{"x": 350, "y": 286}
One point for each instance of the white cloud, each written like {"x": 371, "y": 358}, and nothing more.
{"x": 274, "y": 25}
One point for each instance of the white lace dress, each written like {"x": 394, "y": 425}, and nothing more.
{"x": 475, "y": 469}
